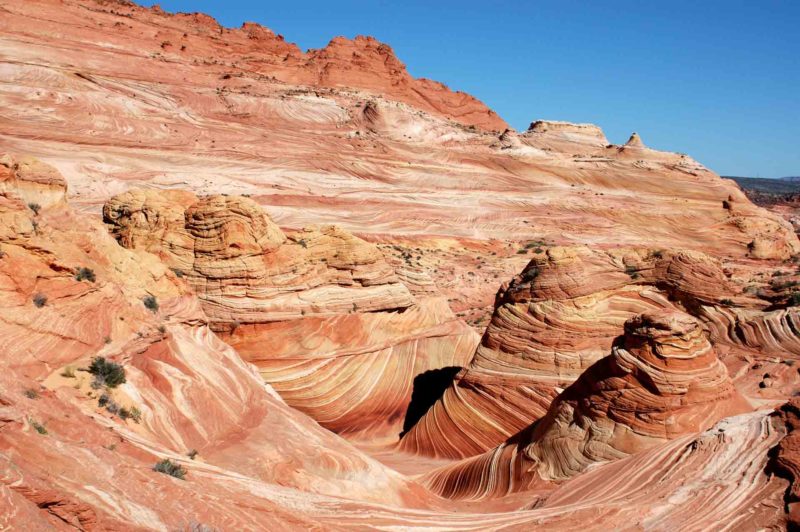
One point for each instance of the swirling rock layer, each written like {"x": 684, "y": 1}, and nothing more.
{"x": 662, "y": 381}
{"x": 321, "y": 313}
{"x": 339, "y": 135}
{"x": 115, "y": 96}
{"x": 551, "y": 323}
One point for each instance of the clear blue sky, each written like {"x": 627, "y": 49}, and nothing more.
{"x": 719, "y": 80}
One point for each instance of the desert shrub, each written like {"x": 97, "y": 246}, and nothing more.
{"x": 135, "y": 414}
{"x": 69, "y": 372}
{"x": 40, "y": 428}
{"x": 177, "y": 272}
{"x": 631, "y": 271}
{"x": 150, "y": 302}
{"x": 522, "y": 251}
{"x": 657, "y": 254}
{"x": 30, "y": 393}
{"x": 168, "y": 467}
{"x": 35, "y": 207}
{"x": 40, "y": 300}
{"x": 192, "y": 454}
{"x": 85, "y": 274}
{"x": 303, "y": 242}
{"x": 107, "y": 373}
{"x": 727, "y": 302}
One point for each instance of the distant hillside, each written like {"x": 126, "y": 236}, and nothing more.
{"x": 786, "y": 185}
{"x": 791, "y": 178}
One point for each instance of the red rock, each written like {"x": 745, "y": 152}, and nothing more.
{"x": 661, "y": 381}
{"x": 785, "y": 459}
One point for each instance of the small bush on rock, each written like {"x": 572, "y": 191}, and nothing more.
{"x": 40, "y": 300}
{"x": 151, "y": 303}
{"x": 85, "y": 274}
{"x": 40, "y": 428}
{"x": 106, "y": 373}
{"x": 168, "y": 467}
{"x": 30, "y": 393}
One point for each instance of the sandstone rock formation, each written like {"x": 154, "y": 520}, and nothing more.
{"x": 192, "y": 391}
{"x": 635, "y": 141}
{"x": 579, "y": 133}
{"x": 321, "y": 313}
{"x": 551, "y": 323}
{"x": 325, "y": 222}
{"x": 235, "y": 111}
{"x": 662, "y": 380}
{"x": 786, "y": 458}
{"x": 242, "y": 265}
{"x": 36, "y": 183}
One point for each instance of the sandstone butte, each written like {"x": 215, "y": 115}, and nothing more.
{"x": 346, "y": 298}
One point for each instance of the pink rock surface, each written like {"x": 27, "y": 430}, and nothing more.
{"x": 301, "y": 246}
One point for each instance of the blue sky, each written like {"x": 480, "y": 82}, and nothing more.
{"x": 719, "y": 80}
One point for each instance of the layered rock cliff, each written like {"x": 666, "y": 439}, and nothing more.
{"x": 320, "y": 312}
{"x": 562, "y": 314}
{"x": 662, "y": 380}
{"x": 326, "y": 223}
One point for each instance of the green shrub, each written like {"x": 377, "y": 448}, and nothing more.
{"x": 106, "y": 373}
{"x": 727, "y": 302}
{"x": 35, "y": 207}
{"x": 150, "y": 302}
{"x": 168, "y": 467}
{"x": 85, "y": 274}
{"x": 135, "y": 414}
{"x": 30, "y": 393}
{"x": 40, "y": 300}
